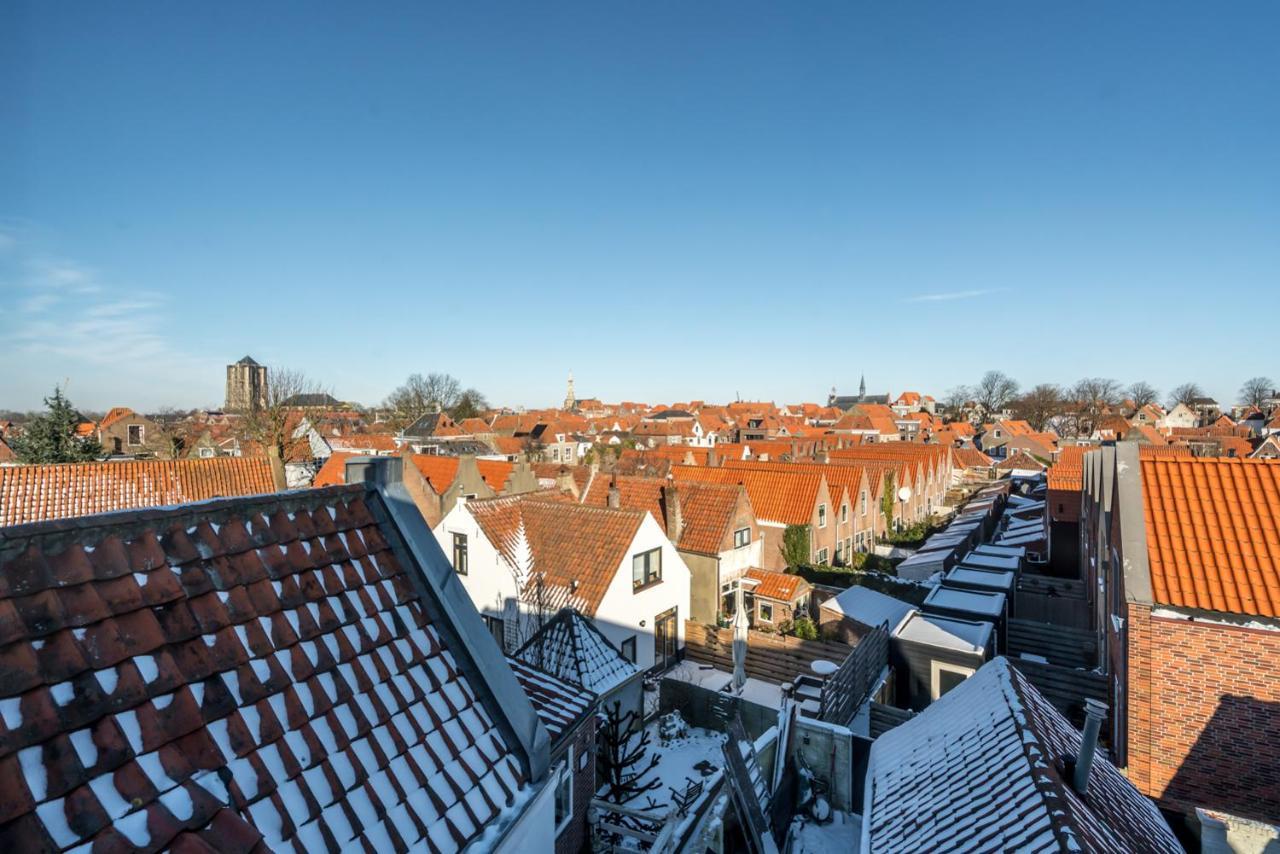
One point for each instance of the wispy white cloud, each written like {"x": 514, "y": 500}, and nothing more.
{"x": 65, "y": 310}
{"x": 951, "y": 295}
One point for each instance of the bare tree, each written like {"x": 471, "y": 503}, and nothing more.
{"x": 170, "y": 439}
{"x": 1184, "y": 394}
{"x": 1038, "y": 405}
{"x": 274, "y": 423}
{"x": 1142, "y": 394}
{"x": 1256, "y": 391}
{"x": 955, "y": 399}
{"x": 994, "y": 392}
{"x": 422, "y": 394}
{"x": 1093, "y": 397}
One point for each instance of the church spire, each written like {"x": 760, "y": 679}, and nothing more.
{"x": 862, "y": 386}
{"x": 569, "y": 400}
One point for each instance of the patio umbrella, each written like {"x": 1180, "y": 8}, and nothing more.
{"x": 740, "y": 626}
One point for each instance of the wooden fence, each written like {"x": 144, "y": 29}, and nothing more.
{"x": 844, "y": 691}
{"x": 1065, "y": 687}
{"x": 772, "y": 658}
{"x": 1062, "y": 645}
{"x": 1047, "y": 599}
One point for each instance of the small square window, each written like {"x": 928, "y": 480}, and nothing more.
{"x": 135, "y": 434}
{"x": 629, "y": 650}
{"x": 741, "y": 538}
{"x": 646, "y": 569}
{"x": 766, "y": 612}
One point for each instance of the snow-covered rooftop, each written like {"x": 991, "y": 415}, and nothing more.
{"x": 869, "y": 607}
{"x": 970, "y": 601}
{"x": 990, "y": 561}
{"x": 570, "y": 647}
{"x": 968, "y": 636}
{"x": 981, "y": 770}
{"x": 993, "y": 579}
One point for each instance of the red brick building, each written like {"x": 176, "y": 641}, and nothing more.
{"x": 1182, "y": 560}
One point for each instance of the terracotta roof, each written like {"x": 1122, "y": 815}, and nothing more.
{"x": 508, "y": 445}
{"x": 39, "y": 492}
{"x": 706, "y": 509}
{"x": 250, "y": 674}
{"x": 116, "y": 414}
{"x": 559, "y": 703}
{"x": 1213, "y": 533}
{"x": 787, "y": 497}
{"x": 779, "y": 586}
{"x": 364, "y": 442}
{"x": 576, "y": 551}
{"x": 981, "y": 770}
{"x": 970, "y": 458}
{"x": 551, "y": 471}
{"x": 440, "y": 471}
{"x": 1020, "y": 460}
{"x": 334, "y": 470}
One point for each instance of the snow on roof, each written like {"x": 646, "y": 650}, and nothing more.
{"x": 981, "y": 769}
{"x": 1008, "y": 551}
{"x": 1020, "y": 539}
{"x": 930, "y": 556}
{"x": 968, "y": 636}
{"x": 559, "y": 703}
{"x": 991, "y": 561}
{"x": 869, "y": 607}
{"x": 570, "y": 647}
{"x": 972, "y": 601}
{"x": 992, "y": 578}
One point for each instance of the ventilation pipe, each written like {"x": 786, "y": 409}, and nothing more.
{"x": 1095, "y": 711}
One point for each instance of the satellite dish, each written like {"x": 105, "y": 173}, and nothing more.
{"x": 904, "y": 494}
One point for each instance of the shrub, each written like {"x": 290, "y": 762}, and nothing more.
{"x": 805, "y": 629}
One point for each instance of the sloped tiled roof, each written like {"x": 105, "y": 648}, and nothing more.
{"x": 441, "y": 471}
{"x": 981, "y": 770}
{"x": 1020, "y": 460}
{"x": 40, "y": 492}
{"x": 779, "y": 586}
{"x": 250, "y": 672}
{"x": 788, "y": 497}
{"x": 706, "y": 509}
{"x": 334, "y": 470}
{"x": 559, "y": 703}
{"x": 576, "y": 551}
{"x": 971, "y": 458}
{"x": 1213, "y": 533}
{"x": 570, "y": 647}
{"x": 117, "y": 413}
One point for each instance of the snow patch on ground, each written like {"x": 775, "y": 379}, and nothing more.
{"x": 843, "y": 833}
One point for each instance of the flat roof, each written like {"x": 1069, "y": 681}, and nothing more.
{"x": 971, "y": 636}
{"x": 991, "y": 549}
{"x": 996, "y": 579}
{"x": 869, "y": 607}
{"x": 972, "y": 601}
{"x": 991, "y": 561}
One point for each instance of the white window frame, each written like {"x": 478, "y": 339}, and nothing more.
{"x": 864, "y": 502}
{"x": 844, "y": 512}
{"x": 936, "y": 669}
{"x": 142, "y": 435}
{"x": 760, "y": 606}
{"x": 822, "y": 515}
{"x": 822, "y": 556}
{"x": 564, "y": 778}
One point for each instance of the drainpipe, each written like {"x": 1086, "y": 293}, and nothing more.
{"x": 1095, "y": 711}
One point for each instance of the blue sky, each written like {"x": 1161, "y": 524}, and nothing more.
{"x": 673, "y": 200}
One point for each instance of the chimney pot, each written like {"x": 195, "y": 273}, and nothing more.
{"x": 1095, "y": 711}
{"x": 614, "y": 499}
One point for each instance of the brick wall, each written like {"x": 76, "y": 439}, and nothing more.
{"x": 574, "y": 837}
{"x": 1204, "y": 715}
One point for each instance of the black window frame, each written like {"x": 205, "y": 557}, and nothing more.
{"x": 647, "y": 578}
{"x": 739, "y": 540}
{"x": 461, "y": 556}
{"x": 631, "y": 642}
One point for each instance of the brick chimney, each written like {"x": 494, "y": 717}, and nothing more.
{"x": 565, "y": 482}
{"x": 614, "y": 500}
{"x": 671, "y": 510}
